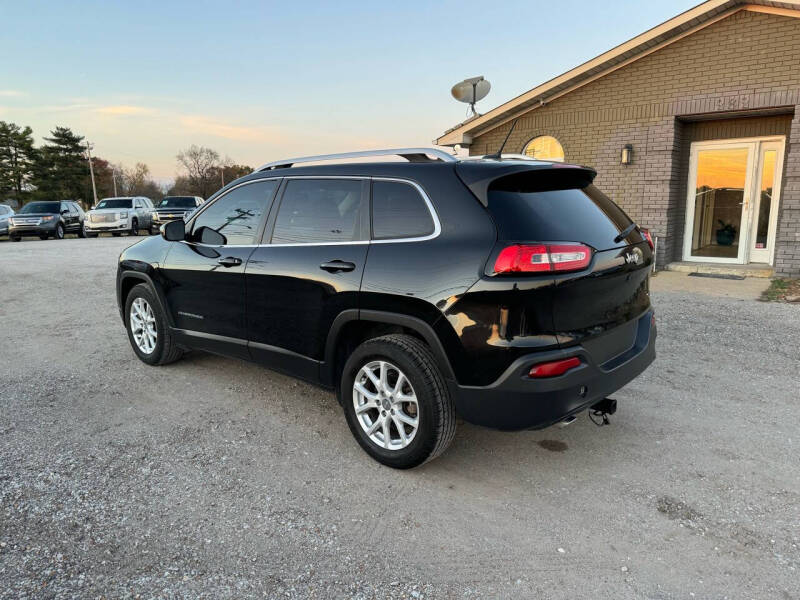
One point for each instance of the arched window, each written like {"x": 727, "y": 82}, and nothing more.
{"x": 544, "y": 147}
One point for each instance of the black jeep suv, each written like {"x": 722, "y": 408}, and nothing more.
{"x": 509, "y": 292}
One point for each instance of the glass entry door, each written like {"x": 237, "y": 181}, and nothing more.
{"x": 732, "y": 201}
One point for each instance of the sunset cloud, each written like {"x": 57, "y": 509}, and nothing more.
{"x": 221, "y": 129}
{"x": 124, "y": 110}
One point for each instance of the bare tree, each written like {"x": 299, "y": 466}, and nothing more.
{"x": 137, "y": 182}
{"x": 201, "y": 164}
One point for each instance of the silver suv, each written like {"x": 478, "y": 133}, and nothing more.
{"x": 128, "y": 214}
{"x": 5, "y": 212}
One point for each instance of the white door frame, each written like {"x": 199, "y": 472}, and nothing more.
{"x": 766, "y": 255}
{"x": 750, "y": 200}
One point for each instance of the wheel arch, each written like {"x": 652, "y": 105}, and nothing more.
{"x": 130, "y": 278}
{"x": 358, "y": 325}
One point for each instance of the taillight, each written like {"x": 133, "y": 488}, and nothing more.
{"x": 554, "y": 368}
{"x": 537, "y": 258}
{"x": 648, "y": 237}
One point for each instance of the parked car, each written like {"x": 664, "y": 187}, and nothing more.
{"x": 5, "y": 212}
{"x": 172, "y": 208}
{"x": 510, "y": 292}
{"x": 47, "y": 219}
{"x": 128, "y": 214}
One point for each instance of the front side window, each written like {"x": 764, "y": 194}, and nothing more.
{"x": 399, "y": 211}
{"x": 319, "y": 210}
{"x": 544, "y": 147}
{"x": 237, "y": 214}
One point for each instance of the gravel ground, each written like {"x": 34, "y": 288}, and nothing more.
{"x": 216, "y": 478}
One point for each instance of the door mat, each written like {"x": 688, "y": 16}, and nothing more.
{"x": 717, "y": 276}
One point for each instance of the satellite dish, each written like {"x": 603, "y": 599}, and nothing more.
{"x": 471, "y": 91}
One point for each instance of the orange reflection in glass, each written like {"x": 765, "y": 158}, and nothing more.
{"x": 768, "y": 172}
{"x": 545, "y": 147}
{"x": 722, "y": 168}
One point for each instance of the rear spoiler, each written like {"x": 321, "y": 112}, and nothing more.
{"x": 521, "y": 177}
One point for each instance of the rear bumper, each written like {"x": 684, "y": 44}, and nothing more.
{"x": 515, "y": 401}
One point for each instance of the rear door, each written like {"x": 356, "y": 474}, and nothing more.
{"x": 307, "y": 271}
{"x": 69, "y": 215}
{"x": 602, "y": 300}
{"x": 204, "y": 275}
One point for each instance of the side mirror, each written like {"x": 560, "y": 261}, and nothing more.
{"x": 174, "y": 231}
{"x": 93, "y": 207}
{"x": 65, "y": 211}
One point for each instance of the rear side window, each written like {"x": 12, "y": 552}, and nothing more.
{"x": 319, "y": 211}
{"x": 237, "y": 214}
{"x": 399, "y": 211}
{"x": 583, "y": 215}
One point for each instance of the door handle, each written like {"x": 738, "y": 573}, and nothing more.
{"x": 230, "y": 261}
{"x": 334, "y": 266}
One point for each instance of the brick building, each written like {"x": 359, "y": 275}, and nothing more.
{"x": 693, "y": 127}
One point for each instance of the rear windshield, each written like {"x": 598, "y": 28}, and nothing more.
{"x": 177, "y": 202}
{"x": 563, "y": 215}
{"x": 41, "y": 207}
{"x": 115, "y": 203}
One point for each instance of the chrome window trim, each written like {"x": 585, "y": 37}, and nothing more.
{"x": 437, "y": 226}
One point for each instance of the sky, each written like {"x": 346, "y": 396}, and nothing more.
{"x": 261, "y": 81}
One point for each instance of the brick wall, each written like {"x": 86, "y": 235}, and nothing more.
{"x": 746, "y": 62}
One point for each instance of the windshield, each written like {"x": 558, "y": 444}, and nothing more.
{"x": 115, "y": 203}
{"x": 177, "y": 202}
{"x": 41, "y": 207}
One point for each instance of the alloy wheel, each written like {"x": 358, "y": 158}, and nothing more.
{"x": 386, "y": 405}
{"x": 143, "y": 325}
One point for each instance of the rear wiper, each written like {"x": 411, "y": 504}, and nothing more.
{"x": 624, "y": 233}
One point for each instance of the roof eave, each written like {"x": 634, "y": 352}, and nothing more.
{"x": 571, "y": 80}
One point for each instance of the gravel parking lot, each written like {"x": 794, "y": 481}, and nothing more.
{"x": 216, "y": 478}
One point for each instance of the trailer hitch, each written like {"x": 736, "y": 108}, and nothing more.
{"x": 603, "y": 409}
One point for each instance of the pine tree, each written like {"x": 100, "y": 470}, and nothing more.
{"x": 60, "y": 170}
{"x": 17, "y": 155}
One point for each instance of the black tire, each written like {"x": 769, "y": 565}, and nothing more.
{"x": 134, "y": 227}
{"x": 16, "y": 239}
{"x": 59, "y": 233}
{"x": 437, "y": 415}
{"x": 116, "y": 233}
{"x": 44, "y": 237}
{"x": 91, "y": 235}
{"x": 166, "y": 349}
{"x": 82, "y": 230}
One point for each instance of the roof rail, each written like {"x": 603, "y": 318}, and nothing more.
{"x": 410, "y": 154}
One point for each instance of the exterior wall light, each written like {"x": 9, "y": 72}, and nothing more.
{"x": 626, "y": 157}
